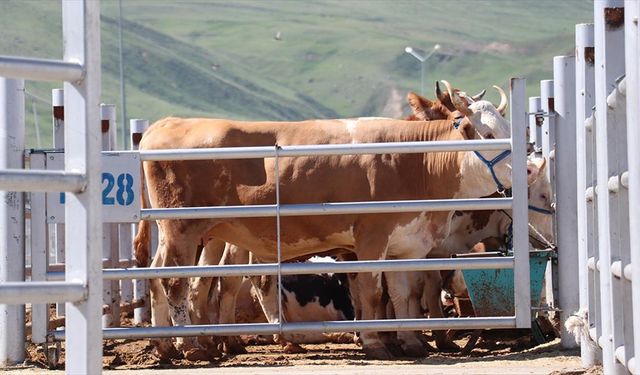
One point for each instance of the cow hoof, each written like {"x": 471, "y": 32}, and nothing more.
{"x": 378, "y": 352}
{"x": 344, "y": 338}
{"x": 447, "y": 346}
{"x": 196, "y": 354}
{"x": 234, "y": 348}
{"x": 165, "y": 350}
{"x": 291, "y": 348}
{"x": 414, "y": 351}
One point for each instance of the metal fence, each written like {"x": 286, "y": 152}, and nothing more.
{"x": 80, "y": 70}
{"x": 83, "y": 228}
{"x": 608, "y": 183}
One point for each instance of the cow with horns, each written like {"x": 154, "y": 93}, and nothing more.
{"x": 343, "y": 178}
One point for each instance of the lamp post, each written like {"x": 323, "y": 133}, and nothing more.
{"x": 422, "y": 57}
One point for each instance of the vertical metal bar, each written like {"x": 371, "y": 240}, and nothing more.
{"x": 535, "y": 131}
{"x": 632, "y": 46}
{"x": 608, "y": 66}
{"x": 278, "y": 245}
{"x": 111, "y": 289}
{"x": 548, "y": 126}
{"x": 12, "y": 256}
{"x": 584, "y": 102}
{"x": 547, "y": 141}
{"x": 83, "y": 211}
{"x": 518, "y": 117}
{"x": 39, "y": 254}
{"x": 123, "y": 98}
{"x": 124, "y": 243}
{"x": 140, "y": 287}
{"x": 57, "y": 107}
{"x": 564, "y": 82}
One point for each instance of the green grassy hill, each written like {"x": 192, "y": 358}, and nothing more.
{"x": 332, "y": 58}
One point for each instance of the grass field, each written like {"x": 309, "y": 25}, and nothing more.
{"x": 332, "y": 59}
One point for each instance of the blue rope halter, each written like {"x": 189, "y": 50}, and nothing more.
{"x": 540, "y": 210}
{"x": 489, "y": 163}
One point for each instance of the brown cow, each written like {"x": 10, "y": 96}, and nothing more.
{"x": 317, "y": 179}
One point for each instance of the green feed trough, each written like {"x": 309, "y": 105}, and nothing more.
{"x": 492, "y": 291}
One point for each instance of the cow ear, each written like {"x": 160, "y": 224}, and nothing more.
{"x": 419, "y": 105}
{"x": 467, "y": 129}
{"x": 535, "y": 169}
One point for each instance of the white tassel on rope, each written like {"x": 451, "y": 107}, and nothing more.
{"x": 578, "y": 325}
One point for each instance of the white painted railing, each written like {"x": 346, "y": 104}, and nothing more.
{"x": 608, "y": 196}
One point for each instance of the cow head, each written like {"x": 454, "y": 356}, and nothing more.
{"x": 440, "y": 109}
{"x": 482, "y": 120}
{"x": 540, "y": 202}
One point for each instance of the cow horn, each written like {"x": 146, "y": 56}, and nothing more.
{"x": 479, "y": 95}
{"x": 502, "y": 108}
{"x": 438, "y": 91}
{"x": 457, "y": 101}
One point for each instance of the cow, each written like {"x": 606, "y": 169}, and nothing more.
{"x": 318, "y": 179}
{"x": 492, "y": 228}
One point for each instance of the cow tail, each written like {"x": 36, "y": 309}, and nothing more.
{"x": 143, "y": 238}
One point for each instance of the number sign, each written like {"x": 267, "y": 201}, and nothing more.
{"x": 120, "y": 187}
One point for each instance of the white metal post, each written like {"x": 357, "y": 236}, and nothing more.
{"x": 110, "y": 242}
{"x": 81, "y": 34}
{"x": 39, "y": 254}
{"x": 632, "y": 46}
{"x": 609, "y": 44}
{"x": 57, "y": 104}
{"x": 535, "y": 131}
{"x": 584, "y": 102}
{"x": 547, "y": 142}
{"x": 520, "y": 213}
{"x": 564, "y": 82}
{"x": 140, "y": 289}
{"x": 12, "y": 256}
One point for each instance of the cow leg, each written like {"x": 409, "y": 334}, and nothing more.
{"x": 401, "y": 291}
{"x": 179, "y": 248}
{"x": 432, "y": 291}
{"x": 203, "y": 299}
{"x": 372, "y": 247}
{"x": 160, "y": 314}
{"x": 229, "y": 288}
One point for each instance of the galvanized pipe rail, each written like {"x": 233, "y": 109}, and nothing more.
{"x": 260, "y": 152}
{"x": 396, "y": 265}
{"x": 300, "y": 327}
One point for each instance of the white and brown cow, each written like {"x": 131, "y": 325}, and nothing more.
{"x": 317, "y": 179}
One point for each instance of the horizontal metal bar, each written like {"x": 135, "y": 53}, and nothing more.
{"x": 591, "y": 264}
{"x": 56, "y": 270}
{"x": 40, "y": 69}
{"x": 613, "y": 184}
{"x": 627, "y": 272}
{"x": 40, "y": 180}
{"x": 331, "y": 149}
{"x": 616, "y": 269}
{"x": 589, "y": 194}
{"x": 396, "y": 265}
{"x": 19, "y": 293}
{"x": 269, "y": 210}
{"x": 300, "y": 327}
{"x": 624, "y": 179}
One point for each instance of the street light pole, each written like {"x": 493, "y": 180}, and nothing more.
{"x": 419, "y": 54}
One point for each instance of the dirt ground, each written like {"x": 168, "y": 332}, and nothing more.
{"x": 497, "y": 352}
